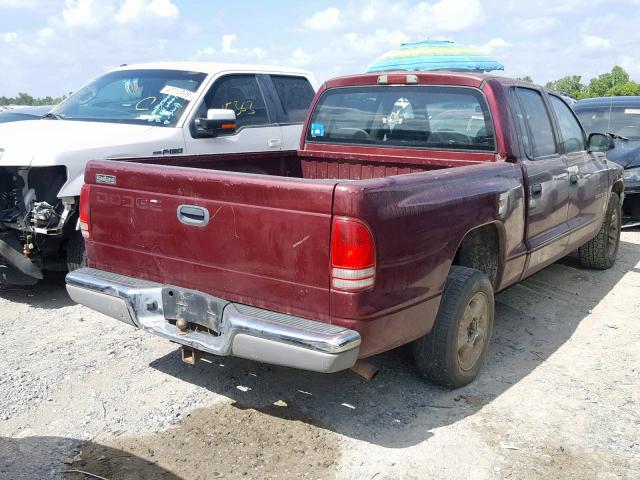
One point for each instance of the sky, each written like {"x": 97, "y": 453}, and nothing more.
{"x": 52, "y": 47}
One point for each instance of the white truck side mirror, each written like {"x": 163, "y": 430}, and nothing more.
{"x": 219, "y": 121}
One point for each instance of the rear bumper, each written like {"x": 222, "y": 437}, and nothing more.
{"x": 216, "y": 326}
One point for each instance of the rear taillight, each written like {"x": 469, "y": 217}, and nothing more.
{"x": 85, "y": 212}
{"x": 353, "y": 256}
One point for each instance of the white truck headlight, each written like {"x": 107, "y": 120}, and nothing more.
{"x": 631, "y": 175}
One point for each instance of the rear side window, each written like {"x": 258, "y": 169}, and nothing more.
{"x": 572, "y": 136}
{"x": 240, "y": 93}
{"x": 522, "y": 123}
{"x": 445, "y": 118}
{"x": 295, "y": 95}
{"x": 540, "y": 127}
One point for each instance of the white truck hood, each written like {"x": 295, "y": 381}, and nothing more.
{"x": 40, "y": 143}
{"x": 45, "y": 142}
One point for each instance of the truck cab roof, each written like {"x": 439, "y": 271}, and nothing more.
{"x": 213, "y": 68}
{"x": 426, "y": 78}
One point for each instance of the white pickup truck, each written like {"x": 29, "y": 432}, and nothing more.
{"x": 160, "y": 109}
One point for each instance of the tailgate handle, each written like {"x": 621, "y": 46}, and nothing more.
{"x": 193, "y": 215}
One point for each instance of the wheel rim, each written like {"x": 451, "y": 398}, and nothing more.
{"x": 472, "y": 331}
{"x": 614, "y": 233}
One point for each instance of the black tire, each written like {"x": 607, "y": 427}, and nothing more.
{"x": 601, "y": 251}
{"x": 76, "y": 254}
{"x": 438, "y": 354}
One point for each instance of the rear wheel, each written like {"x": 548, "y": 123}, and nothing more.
{"x": 76, "y": 254}
{"x": 452, "y": 354}
{"x": 600, "y": 252}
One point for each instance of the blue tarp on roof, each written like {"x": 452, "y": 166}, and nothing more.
{"x": 431, "y": 55}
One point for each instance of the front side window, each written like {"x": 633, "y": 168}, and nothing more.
{"x": 572, "y": 136}
{"x": 449, "y": 118}
{"x": 144, "y": 97}
{"x": 240, "y": 93}
{"x": 540, "y": 128}
{"x": 296, "y": 95}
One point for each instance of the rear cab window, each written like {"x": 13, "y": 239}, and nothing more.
{"x": 421, "y": 116}
{"x": 295, "y": 95}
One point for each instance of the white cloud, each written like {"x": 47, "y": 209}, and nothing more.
{"x": 599, "y": 23}
{"x": 163, "y": 8}
{"x": 227, "y": 43}
{"x": 257, "y": 52}
{"x": 369, "y": 12}
{"x": 240, "y": 53}
{"x": 444, "y": 16}
{"x": 205, "y": 52}
{"x": 230, "y": 53}
{"x": 80, "y": 13}
{"x": 595, "y": 42}
{"x": 45, "y": 35}
{"x": 374, "y": 44}
{"x": 8, "y": 37}
{"x": 299, "y": 58}
{"x": 371, "y": 27}
{"x": 424, "y": 17}
{"x": 492, "y": 45}
{"x": 23, "y": 4}
{"x": 134, "y": 10}
{"x": 539, "y": 24}
{"x": 328, "y": 19}
{"x": 89, "y": 14}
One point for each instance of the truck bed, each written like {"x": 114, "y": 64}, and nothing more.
{"x": 322, "y": 165}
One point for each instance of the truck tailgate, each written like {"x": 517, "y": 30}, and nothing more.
{"x": 266, "y": 242}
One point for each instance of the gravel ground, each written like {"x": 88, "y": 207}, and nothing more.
{"x": 558, "y": 399}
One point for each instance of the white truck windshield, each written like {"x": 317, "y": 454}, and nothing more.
{"x": 143, "y": 97}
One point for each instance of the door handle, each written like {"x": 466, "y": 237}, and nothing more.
{"x": 193, "y": 215}
{"x": 274, "y": 142}
{"x": 573, "y": 179}
{"x": 536, "y": 189}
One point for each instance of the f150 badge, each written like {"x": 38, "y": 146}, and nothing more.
{"x": 169, "y": 151}
{"x": 106, "y": 179}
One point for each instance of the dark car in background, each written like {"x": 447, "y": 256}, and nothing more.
{"x": 620, "y": 117}
{"x": 17, "y": 114}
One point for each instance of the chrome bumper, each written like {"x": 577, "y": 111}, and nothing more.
{"x": 220, "y": 327}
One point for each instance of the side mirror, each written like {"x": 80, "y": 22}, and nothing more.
{"x": 599, "y": 142}
{"x": 219, "y": 121}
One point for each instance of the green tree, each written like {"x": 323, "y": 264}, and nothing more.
{"x": 24, "y": 99}
{"x": 571, "y": 84}
{"x": 626, "y": 89}
{"x": 526, "y": 78}
{"x": 605, "y": 84}
{"x": 617, "y": 82}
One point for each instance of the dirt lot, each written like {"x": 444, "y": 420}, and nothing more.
{"x": 558, "y": 399}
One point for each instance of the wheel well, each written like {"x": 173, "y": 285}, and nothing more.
{"x": 618, "y": 188}
{"x": 480, "y": 249}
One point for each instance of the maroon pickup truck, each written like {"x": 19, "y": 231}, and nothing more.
{"x": 412, "y": 200}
